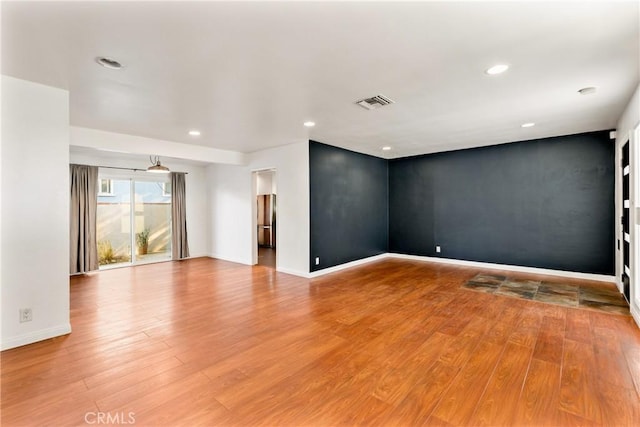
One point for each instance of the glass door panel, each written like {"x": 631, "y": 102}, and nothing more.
{"x": 114, "y": 222}
{"x": 152, "y": 221}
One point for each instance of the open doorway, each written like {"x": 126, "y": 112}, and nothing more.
{"x": 265, "y": 218}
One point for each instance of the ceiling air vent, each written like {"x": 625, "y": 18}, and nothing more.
{"x": 374, "y": 102}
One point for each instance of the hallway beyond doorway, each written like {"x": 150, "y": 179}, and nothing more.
{"x": 267, "y": 257}
{"x": 264, "y": 218}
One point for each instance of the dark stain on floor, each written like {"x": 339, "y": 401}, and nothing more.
{"x": 567, "y": 295}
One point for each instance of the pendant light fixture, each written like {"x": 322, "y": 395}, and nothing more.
{"x": 156, "y": 166}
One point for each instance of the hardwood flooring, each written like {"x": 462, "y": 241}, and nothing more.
{"x": 391, "y": 343}
{"x": 267, "y": 257}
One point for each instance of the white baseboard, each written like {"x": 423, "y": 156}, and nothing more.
{"x": 246, "y": 262}
{"x": 347, "y": 265}
{"x": 236, "y": 260}
{"x": 36, "y": 336}
{"x": 618, "y": 283}
{"x": 198, "y": 255}
{"x": 515, "y": 268}
{"x": 635, "y": 313}
{"x": 279, "y": 269}
{"x": 476, "y": 264}
{"x": 293, "y": 272}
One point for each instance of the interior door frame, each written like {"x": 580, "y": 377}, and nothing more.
{"x": 254, "y": 212}
{"x": 634, "y": 285}
{"x": 627, "y": 223}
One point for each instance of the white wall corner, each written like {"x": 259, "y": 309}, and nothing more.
{"x": 347, "y": 265}
{"x": 243, "y": 261}
{"x": 35, "y": 336}
{"x": 298, "y": 273}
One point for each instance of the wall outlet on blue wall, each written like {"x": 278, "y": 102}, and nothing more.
{"x": 317, "y": 260}
{"x": 438, "y": 249}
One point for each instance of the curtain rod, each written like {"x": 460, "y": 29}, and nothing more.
{"x": 132, "y": 169}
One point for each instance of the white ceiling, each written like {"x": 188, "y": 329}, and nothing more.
{"x": 248, "y": 74}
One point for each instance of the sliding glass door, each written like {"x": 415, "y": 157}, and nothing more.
{"x": 138, "y": 232}
{"x": 114, "y": 222}
{"x": 152, "y": 220}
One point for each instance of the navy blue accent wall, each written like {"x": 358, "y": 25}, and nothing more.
{"x": 348, "y": 205}
{"x": 546, "y": 203}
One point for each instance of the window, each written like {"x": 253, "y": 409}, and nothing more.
{"x": 166, "y": 188}
{"x": 105, "y": 187}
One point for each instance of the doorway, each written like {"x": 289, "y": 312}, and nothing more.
{"x": 632, "y": 289}
{"x": 265, "y": 218}
{"x": 625, "y": 220}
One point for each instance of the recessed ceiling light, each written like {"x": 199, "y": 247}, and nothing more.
{"x": 497, "y": 69}
{"x": 108, "y": 63}
{"x": 527, "y": 125}
{"x": 387, "y": 148}
{"x": 309, "y": 124}
{"x": 587, "y": 90}
{"x": 194, "y": 132}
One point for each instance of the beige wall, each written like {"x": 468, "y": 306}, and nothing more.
{"x": 113, "y": 225}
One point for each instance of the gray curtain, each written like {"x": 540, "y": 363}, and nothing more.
{"x": 179, "y": 244}
{"x": 84, "y": 204}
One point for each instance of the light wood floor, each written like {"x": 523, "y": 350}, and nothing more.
{"x": 207, "y": 342}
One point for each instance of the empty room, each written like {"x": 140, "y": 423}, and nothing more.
{"x": 318, "y": 213}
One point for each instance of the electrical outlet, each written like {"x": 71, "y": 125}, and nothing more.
{"x": 438, "y": 249}
{"x": 26, "y": 315}
{"x": 317, "y": 260}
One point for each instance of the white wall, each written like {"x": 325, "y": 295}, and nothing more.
{"x": 232, "y": 197}
{"x": 130, "y": 144}
{"x": 628, "y": 121}
{"x": 291, "y": 163}
{"x": 35, "y": 211}
{"x": 630, "y": 118}
{"x": 266, "y": 182}
{"x": 196, "y": 180}
{"x": 230, "y": 212}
